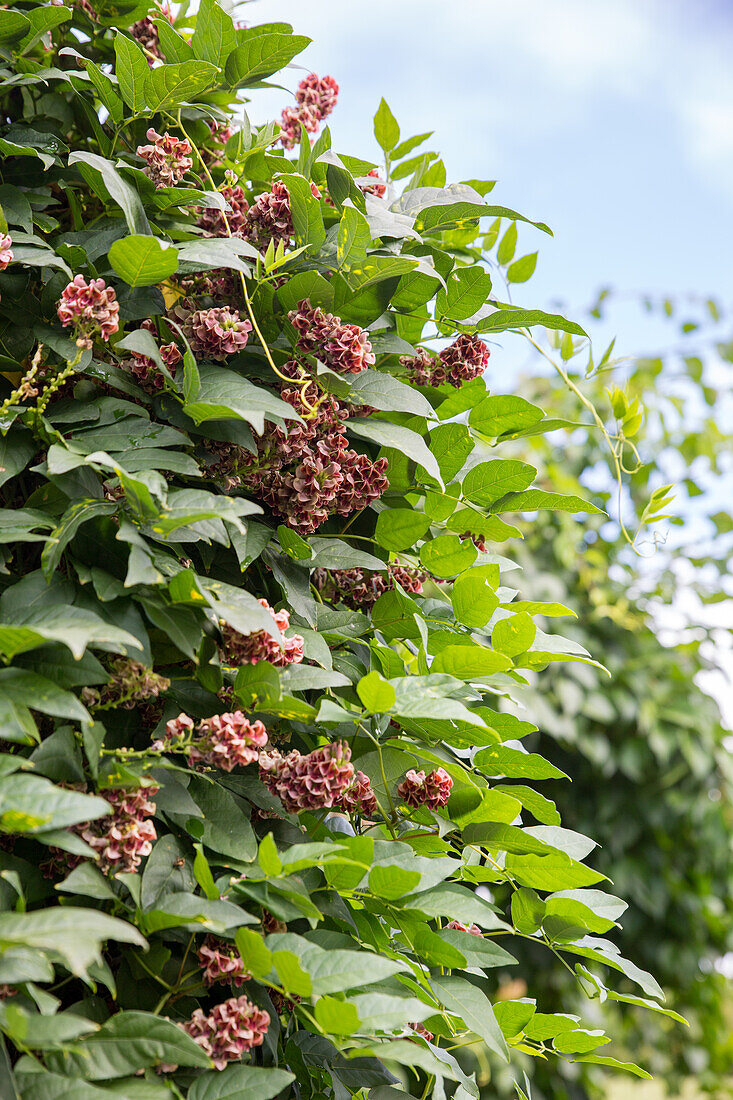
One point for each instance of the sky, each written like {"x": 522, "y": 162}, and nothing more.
{"x": 610, "y": 120}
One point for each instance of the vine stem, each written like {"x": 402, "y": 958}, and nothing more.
{"x": 588, "y": 404}
{"x": 247, "y": 301}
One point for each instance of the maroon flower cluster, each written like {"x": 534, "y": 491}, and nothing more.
{"x": 359, "y": 589}
{"x": 377, "y": 189}
{"x": 212, "y": 220}
{"x": 221, "y": 962}
{"x": 461, "y": 927}
{"x": 223, "y": 741}
{"x": 478, "y": 540}
{"x": 433, "y": 790}
{"x": 466, "y": 358}
{"x": 6, "y": 251}
{"x": 220, "y": 134}
{"x": 359, "y": 798}
{"x": 308, "y": 472}
{"x": 167, "y": 158}
{"x": 317, "y": 780}
{"x": 344, "y": 348}
{"x": 145, "y": 370}
{"x": 421, "y": 1030}
{"x": 91, "y": 307}
{"x": 248, "y": 649}
{"x": 217, "y": 332}
{"x": 270, "y": 217}
{"x": 146, "y": 33}
{"x": 229, "y": 1030}
{"x": 124, "y": 837}
{"x": 130, "y": 683}
{"x": 315, "y": 98}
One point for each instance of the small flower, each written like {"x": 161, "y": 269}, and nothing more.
{"x": 92, "y": 309}
{"x": 217, "y": 332}
{"x": 243, "y": 649}
{"x": 377, "y": 189}
{"x": 359, "y": 798}
{"x": 270, "y": 217}
{"x": 461, "y": 927}
{"x": 124, "y": 837}
{"x": 433, "y": 791}
{"x": 344, "y": 348}
{"x": 6, "y": 251}
{"x": 423, "y": 369}
{"x": 465, "y": 359}
{"x": 314, "y": 781}
{"x": 223, "y": 741}
{"x": 145, "y": 370}
{"x": 167, "y": 158}
{"x": 221, "y": 962}
{"x": 318, "y": 94}
{"x": 146, "y": 33}
{"x": 293, "y": 121}
{"x": 229, "y": 1030}
{"x": 421, "y": 1030}
{"x": 212, "y": 220}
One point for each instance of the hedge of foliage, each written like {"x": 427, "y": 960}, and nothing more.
{"x": 261, "y": 793}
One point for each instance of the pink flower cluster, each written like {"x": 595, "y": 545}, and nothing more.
{"x": 433, "y": 790}
{"x": 124, "y": 837}
{"x": 344, "y": 348}
{"x": 145, "y": 370}
{"x": 359, "y": 589}
{"x": 221, "y": 962}
{"x": 308, "y": 472}
{"x": 167, "y": 158}
{"x": 217, "y": 332}
{"x": 270, "y": 217}
{"x": 6, "y": 251}
{"x": 146, "y": 33}
{"x": 220, "y": 134}
{"x": 91, "y": 307}
{"x": 212, "y": 221}
{"x": 229, "y": 1030}
{"x": 315, "y": 781}
{"x": 315, "y": 98}
{"x": 359, "y": 798}
{"x": 466, "y": 358}
{"x": 223, "y": 741}
{"x": 248, "y": 649}
{"x": 461, "y": 927}
{"x": 130, "y": 683}
{"x": 421, "y": 1030}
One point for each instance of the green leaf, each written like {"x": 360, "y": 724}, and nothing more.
{"x": 534, "y": 499}
{"x": 522, "y": 270}
{"x": 237, "y": 1081}
{"x": 489, "y": 481}
{"x": 214, "y": 37}
{"x": 128, "y": 1042}
{"x": 260, "y": 56}
{"x": 400, "y": 528}
{"x": 30, "y": 804}
{"x": 169, "y": 86}
{"x": 451, "y": 444}
{"x": 468, "y": 288}
{"x": 353, "y": 237}
{"x": 507, "y": 245}
{"x": 377, "y": 695}
{"x": 17, "y": 448}
{"x": 337, "y": 1017}
{"x": 470, "y": 662}
{"x": 436, "y": 951}
{"x": 21, "y": 686}
{"x": 132, "y": 72}
{"x": 256, "y": 956}
{"x": 516, "y": 764}
{"x": 514, "y": 635}
{"x": 386, "y": 130}
{"x": 392, "y": 882}
{"x": 291, "y": 973}
{"x": 224, "y": 395}
{"x": 402, "y": 439}
{"x": 504, "y": 319}
{"x": 447, "y": 555}
{"x": 268, "y": 858}
{"x": 503, "y": 414}
{"x": 105, "y": 180}
{"x": 143, "y": 260}
{"x": 77, "y": 935}
{"x": 474, "y": 597}
{"x": 13, "y": 26}
{"x": 306, "y": 212}
{"x": 475, "y": 1009}
{"x": 528, "y": 909}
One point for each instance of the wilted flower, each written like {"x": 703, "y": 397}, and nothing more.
{"x": 461, "y": 927}
{"x": 167, "y": 158}
{"x": 243, "y": 649}
{"x": 6, "y": 251}
{"x": 433, "y": 790}
{"x": 223, "y": 741}
{"x": 221, "y": 962}
{"x": 314, "y": 781}
{"x": 217, "y": 332}
{"x": 92, "y": 308}
{"x": 229, "y": 1030}
{"x": 344, "y": 348}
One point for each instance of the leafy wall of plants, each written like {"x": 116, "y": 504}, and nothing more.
{"x": 268, "y": 827}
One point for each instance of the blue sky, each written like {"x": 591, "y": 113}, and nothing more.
{"x": 611, "y": 120}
